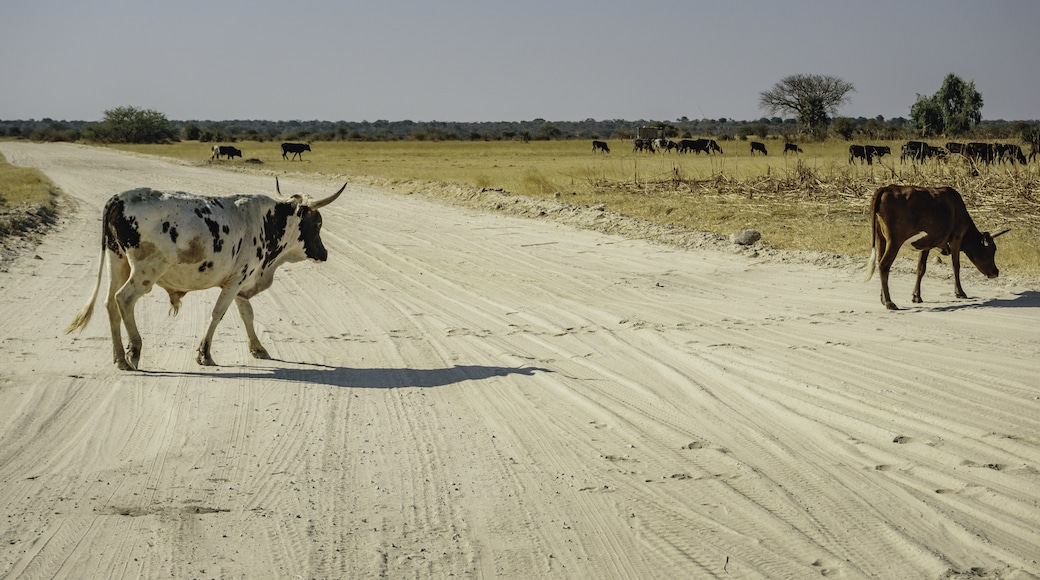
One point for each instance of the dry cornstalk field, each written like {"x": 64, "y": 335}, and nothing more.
{"x": 815, "y": 200}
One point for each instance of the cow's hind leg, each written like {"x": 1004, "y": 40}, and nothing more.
{"x": 245, "y": 309}
{"x": 922, "y": 265}
{"x": 119, "y": 273}
{"x": 886, "y": 257}
{"x": 142, "y": 277}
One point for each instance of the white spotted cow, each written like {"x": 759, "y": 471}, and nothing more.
{"x": 184, "y": 242}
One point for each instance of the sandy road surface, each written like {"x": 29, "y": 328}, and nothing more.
{"x": 469, "y": 394}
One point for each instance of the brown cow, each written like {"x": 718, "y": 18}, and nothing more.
{"x": 929, "y": 218}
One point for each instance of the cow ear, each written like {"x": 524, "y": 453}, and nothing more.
{"x": 296, "y": 199}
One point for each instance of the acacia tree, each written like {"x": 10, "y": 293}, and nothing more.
{"x": 131, "y": 125}
{"x": 813, "y": 99}
{"x": 953, "y": 110}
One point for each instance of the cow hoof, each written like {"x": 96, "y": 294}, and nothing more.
{"x": 133, "y": 358}
{"x": 917, "y": 300}
{"x": 123, "y": 365}
{"x": 891, "y": 306}
{"x": 259, "y": 352}
{"x": 204, "y": 359}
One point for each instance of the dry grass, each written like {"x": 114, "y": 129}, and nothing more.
{"x": 27, "y": 206}
{"x": 23, "y": 185}
{"x": 813, "y": 201}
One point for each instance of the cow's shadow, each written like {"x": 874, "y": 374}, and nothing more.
{"x": 1027, "y": 299}
{"x": 364, "y": 378}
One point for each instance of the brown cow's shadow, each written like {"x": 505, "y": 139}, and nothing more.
{"x": 364, "y": 378}
{"x": 1027, "y": 299}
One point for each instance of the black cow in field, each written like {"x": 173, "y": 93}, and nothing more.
{"x": 791, "y": 148}
{"x": 920, "y": 151}
{"x": 665, "y": 145}
{"x": 225, "y": 150}
{"x": 980, "y": 152}
{"x": 600, "y": 146}
{"x": 955, "y": 147}
{"x": 643, "y": 145}
{"x": 859, "y": 151}
{"x": 296, "y": 149}
{"x": 1010, "y": 153}
{"x": 699, "y": 145}
{"x": 760, "y": 147}
{"x": 878, "y": 151}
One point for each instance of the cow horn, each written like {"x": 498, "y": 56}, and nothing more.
{"x": 1000, "y": 234}
{"x": 276, "y": 187}
{"x": 329, "y": 199}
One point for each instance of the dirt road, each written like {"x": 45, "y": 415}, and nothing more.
{"x": 458, "y": 393}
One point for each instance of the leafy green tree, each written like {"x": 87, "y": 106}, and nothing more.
{"x": 547, "y": 131}
{"x": 132, "y": 125}
{"x": 1026, "y": 131}
{"x": 191, "y": 132}
{"x": 843, "y": 127}
{"x": 811, "y": 98}
{"x": 926, "y": 116}
{"x": 954, "y": 110}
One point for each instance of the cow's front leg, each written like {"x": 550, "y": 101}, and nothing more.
{"x": 922, "y": 265}
{"x": 245, "y": 309}
{"x": 955, "y": 261}
{"x": 203, "y": 356}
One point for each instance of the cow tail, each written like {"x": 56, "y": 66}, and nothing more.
{"x": 872, "y": 260}
{"x": 83, "y": 316}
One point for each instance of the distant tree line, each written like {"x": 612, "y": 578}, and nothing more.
{"x": 131, "y": 125}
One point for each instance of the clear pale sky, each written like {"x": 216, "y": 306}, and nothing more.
{"x": 486, "y": 60}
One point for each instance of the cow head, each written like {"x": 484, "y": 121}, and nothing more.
{"x": 310, "y": 223}
{"x": 981, "y": 251}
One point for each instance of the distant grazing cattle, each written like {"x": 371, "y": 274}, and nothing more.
{"x": 878, "y": 151}
{"x": 859, "y": 152}
{"x": 665, "y": 145}
{"x": 296, "y": 149}
{"x": 1034, "y": 149}
{"x": 600, "y": 146}
{"x": 643, "y": 145}
{"x": 1010, "y": 153}
{"x": 759, "y": 147}
{"x": 225, "y": 150}
{"x": 980, "y": 152}
{"x": 183, "y": 242}
{"x": 920, "y": 151}
{"x": 955, "y": 147}
{"x": 929, "y": 218}
{"x": 791, "y": 148}
{"x": 699, "y": 145}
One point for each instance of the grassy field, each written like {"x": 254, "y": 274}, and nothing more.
{"x": 21, "y": 185}
{"x": 812, "y": 201}
{"x": 27, "y": 199}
